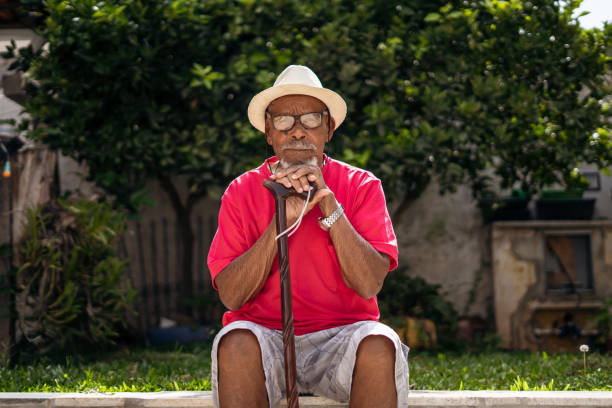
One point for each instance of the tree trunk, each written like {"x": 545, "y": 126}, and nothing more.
{"x": 184, "y": 245}
{"x": 408, "y": 199}
{"x": 401, "y": 209}
{"x": 12, "y": 282}
{"x": 186, "y": 238}
{"x": 185, "y": 242}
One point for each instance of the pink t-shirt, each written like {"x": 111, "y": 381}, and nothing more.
{"x": 321, "y": 300}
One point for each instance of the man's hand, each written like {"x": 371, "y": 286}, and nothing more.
{"x": 299, "y": 177}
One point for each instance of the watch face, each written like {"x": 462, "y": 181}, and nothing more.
{"x": 323, "y": 225}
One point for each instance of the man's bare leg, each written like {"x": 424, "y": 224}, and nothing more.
{"x": 242, "y": 382}
{"x": 374, "y": 374}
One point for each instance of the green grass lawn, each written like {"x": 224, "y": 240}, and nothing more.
{"x": 136, "y": 369}
{"x": 517, "y": 371}
{"x": 188, "y": 368}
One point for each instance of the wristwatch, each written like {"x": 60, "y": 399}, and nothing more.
{"x": 327, "y": 222}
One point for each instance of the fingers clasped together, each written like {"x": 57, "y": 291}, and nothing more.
{"x": 299, "y": 177}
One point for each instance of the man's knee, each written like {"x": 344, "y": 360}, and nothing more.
{"x": 239, "y": 346}
{"x": 374, "y": 373}
{"x": 376, "y": 351}
{"x": 241, "y": 381}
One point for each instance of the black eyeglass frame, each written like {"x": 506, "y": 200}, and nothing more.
{"x": 297, "y": 118}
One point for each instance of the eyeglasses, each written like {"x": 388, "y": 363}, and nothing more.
{"x": 309, "y": 120}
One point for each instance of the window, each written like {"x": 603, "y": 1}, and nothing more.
{"x": 567, "y": 263}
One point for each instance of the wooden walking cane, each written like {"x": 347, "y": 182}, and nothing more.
{"x": 281, "y": 193}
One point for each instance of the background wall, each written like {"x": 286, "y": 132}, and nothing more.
{"x": 443, "y": 240}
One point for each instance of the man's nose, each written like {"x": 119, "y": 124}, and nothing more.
{"x": 297, "y": 131}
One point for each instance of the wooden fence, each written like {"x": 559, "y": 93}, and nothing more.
{"x": 155, "y": 270}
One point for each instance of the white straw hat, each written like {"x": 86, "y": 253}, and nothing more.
{"x": 295, "y": 80}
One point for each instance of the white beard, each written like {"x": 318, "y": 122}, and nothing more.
{"x": 283, "y": 164}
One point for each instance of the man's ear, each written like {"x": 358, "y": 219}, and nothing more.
{"x": 267, "y": 132}
{"x": 330, "y": 131}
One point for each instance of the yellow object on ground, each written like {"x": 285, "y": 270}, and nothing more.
{"x": 416, "y": 333}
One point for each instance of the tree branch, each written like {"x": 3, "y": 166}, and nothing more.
{"x": 175, "y": 198}
{"x": 409, "y": 198}
{"x": 406, "y": 202}
{"x": 195, "y": 197}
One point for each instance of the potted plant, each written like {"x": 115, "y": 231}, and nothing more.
{"x": 512, "y": 208}
{"x": 564, "y": 205}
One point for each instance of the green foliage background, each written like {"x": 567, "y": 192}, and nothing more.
{"x": 481, "y": 92}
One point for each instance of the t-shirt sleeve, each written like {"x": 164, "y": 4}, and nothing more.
{"x": 229, "y": 241}
{"x": 371, "y": 220}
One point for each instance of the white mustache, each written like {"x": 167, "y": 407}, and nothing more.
{"x": 294, "y": 145}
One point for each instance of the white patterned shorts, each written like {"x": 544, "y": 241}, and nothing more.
{"x": 324, "y": 360}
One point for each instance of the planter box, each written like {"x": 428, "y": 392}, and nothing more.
{"x": 565, "y": 208}
{"x": 508, "y": 209}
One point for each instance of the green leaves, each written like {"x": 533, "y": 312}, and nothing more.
{"x": 205, "y": 76}
{"x": 139, "y": 90}
{"x": 70, "y": 282}
{"x": 433, "y": 17}
{"x": 109, "y": 13}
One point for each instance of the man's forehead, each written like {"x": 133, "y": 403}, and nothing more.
{"x": 294, "y": 103}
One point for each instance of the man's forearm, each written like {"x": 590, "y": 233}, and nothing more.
{"x": 242, "y": 279}
{"x": 363, "y": 267}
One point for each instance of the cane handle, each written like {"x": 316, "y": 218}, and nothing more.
{"x": 279, "y": 191}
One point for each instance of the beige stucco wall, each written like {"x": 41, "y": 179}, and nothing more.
{"x": 443, "y": 240}
{"x": 524, "y": 308}
{"x": 513, "y": 260}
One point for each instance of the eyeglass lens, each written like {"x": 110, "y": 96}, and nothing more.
{"x": 308, "y": 120}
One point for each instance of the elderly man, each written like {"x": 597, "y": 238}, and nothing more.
{"x": 339, "y": 257}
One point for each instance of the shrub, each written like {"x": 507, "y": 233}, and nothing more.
{"x": 403, "y": 295}
{"x": 603, "y": 321}
{"x": 70, "y": 290}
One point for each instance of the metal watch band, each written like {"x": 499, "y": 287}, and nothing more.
{"x": 327, "y": 222}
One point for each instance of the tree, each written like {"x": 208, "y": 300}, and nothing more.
{"x": 484, "y": 92}
{"x": 128, "y": 87}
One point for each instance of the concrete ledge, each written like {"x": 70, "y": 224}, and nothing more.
{"x": 417, "y": 399}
